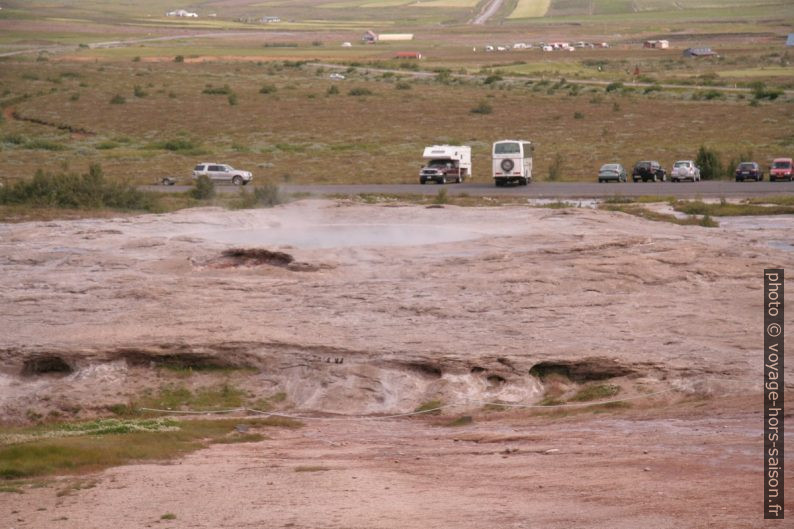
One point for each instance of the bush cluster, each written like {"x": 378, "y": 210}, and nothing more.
{"x": 69, "y": 190}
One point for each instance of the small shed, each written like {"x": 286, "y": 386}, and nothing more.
{"x": 699, "y": 52}
{"x": 370, "y": 37}
{"x": 408, "y": 55}
{"x": 657, "y": 44}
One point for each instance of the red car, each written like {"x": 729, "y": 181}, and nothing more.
{"x": 782, "y": 169}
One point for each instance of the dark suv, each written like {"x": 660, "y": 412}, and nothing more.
{"x": 749, "y": 170}
{"x": 648, "y": 170}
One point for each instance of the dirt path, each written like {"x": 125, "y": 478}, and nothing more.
{"x": 487, "y": 12}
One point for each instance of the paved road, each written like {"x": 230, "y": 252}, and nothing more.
{"x": 725, "y": 189}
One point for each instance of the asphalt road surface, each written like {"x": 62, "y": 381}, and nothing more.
{"x": 704, "y": 189}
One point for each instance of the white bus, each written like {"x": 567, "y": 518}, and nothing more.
{"x": 512, "y": 162}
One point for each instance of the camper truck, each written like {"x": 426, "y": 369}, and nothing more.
{"x": 512, "y": 162}
{"x": 445, "y": 163}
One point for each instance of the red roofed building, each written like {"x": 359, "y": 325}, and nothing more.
{"x": 408, "y": 55}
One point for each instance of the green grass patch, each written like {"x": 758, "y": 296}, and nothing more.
{"x": 460, "y": 421}
{"x": 69, "y": 190}
{"x": 86, "y": 452}
{"x": 639, "y": 211}
{"x": 596, "y": 392}
{"x": 223, "y": 396}
{"x": 168, "y": 516}
{"x": 643, "y": 199}
{"x": 430, "y": 406}
{"x": 727, "y": 209}
{"x": 781, "y": 200}
{"x": 311, "y": 468}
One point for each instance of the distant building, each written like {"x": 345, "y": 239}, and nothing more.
{"x": 395, "y": 36}
{"x": 408, "y": 55}
{"x": 182, "y": 13}
{"x": 269, "y": 20}
{"x": 790, "y": 40}
{"x": 657, "y": 44}
{"x": 699, "y": 52}
{"x": 370, "y": 37}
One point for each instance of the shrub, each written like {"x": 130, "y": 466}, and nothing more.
{"x": 332, "y": 90}
{"x": 264, "y": 196}
{"x": 137, "y": 91}
{"x": 118, "y": 99}
{"x": 74, "y": 97}
{"x": 204, "y": 188}
{"x": 493, "y": 78}
{"x": 217, "y": 90}
{"x": 179, "y": 144}
{"x": 555, "y": 168}
{"x": 14, "y": 139}
{"x": 578, "y": 115}
{"x": 402, "y": 85}
{"x": 137, "y": 58}
{"x": 232, "y": 99}
{"x": 179, "y": 58}
{"x": 44, "y": 145}
{"x": 760, "y": 91}
{"x": 709, "y": 163}
{"x": 611, "y": 87}
{"x": 267, "y": 89}
{"x": 69, "y": 190}
{"x": 483, "y": 107}
{"x": 358, "y": 91}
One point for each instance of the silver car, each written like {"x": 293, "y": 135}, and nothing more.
{"x": 219, "y": 172}
{"x": 612, "y": 171}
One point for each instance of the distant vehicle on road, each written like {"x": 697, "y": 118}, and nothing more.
{"x": 445, "y": 163}
{"x": 749, "y": 171}
{"x": 512, "y": 162}
{"x": 685, "y": 170}
{"x": 648, "y": 170}
{"x": 219, "y": 172}
{"x": 612, "y": 171}
{"x": 336, "y": 77}
{"x": 781, "y": 169}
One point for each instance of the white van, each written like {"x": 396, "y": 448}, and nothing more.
{"x": 512, "y": 162}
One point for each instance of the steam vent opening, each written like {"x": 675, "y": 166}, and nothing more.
{"x": 47, "y": 365}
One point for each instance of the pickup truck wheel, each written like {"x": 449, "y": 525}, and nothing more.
{"x": 168, "y": 182}
{"x": 422, "y": 181}
{"x": 237, "y": 180}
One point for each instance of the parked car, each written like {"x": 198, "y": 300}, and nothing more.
{"x": 612, "y": 171}
{"x": 446, "y": 163}
{"x": 685, "y": 170}
{"x": 218, "y": 172}
{"x": 781, "y": 169}
{"x": 648, "y": 170}
{"x": 749, "y": 170}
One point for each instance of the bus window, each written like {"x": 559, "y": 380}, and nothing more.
{"x": 507, "y": 148}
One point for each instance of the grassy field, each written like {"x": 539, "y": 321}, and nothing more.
{"x": 259, "y": 98}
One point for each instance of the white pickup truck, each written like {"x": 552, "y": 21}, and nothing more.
{"x": 685, "y": 170}
{"x": 446, "y": 163}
